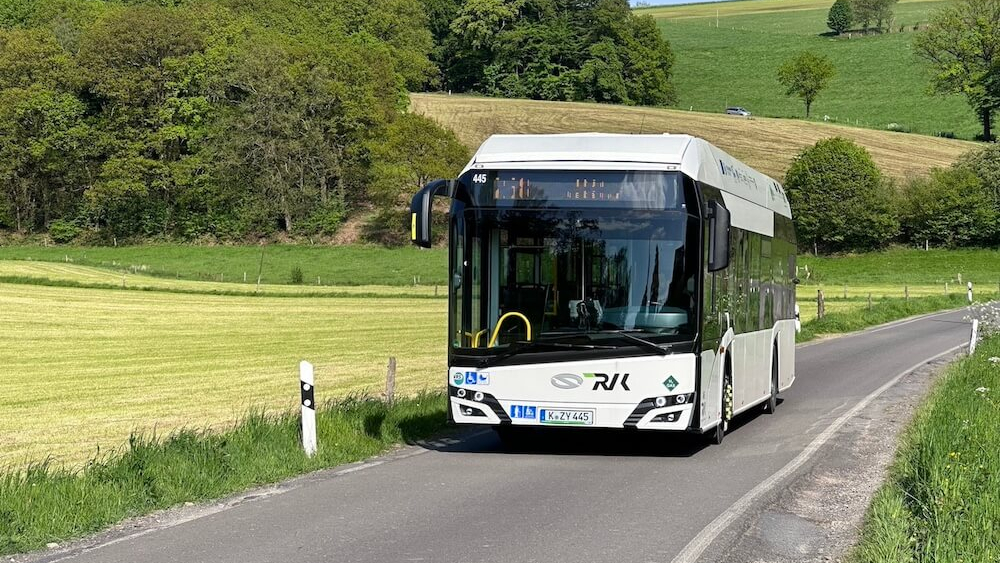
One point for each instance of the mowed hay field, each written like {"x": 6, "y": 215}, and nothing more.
{"x": 768, "y": 145}
{"x": 82, "y": 368}
{"x": 733, "y": 59}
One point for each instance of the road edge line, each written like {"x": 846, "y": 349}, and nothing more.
{"x": 697, "y": 546}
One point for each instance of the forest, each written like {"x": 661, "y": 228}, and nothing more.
{"x": 216, "y": 120}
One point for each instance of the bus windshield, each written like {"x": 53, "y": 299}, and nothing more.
{"x": 596, "y": 275}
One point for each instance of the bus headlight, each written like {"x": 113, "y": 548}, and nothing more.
{"x": 460, "y": 393}
{"x": 478, "y": 397}
{"x": 680, "y": 399}
{"x": 661, "y": 402}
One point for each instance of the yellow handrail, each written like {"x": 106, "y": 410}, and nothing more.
{"x": 475, "y": 339}
{"x": 496, "y": 331}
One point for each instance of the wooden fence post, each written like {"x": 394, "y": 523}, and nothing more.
{"x": 390, "y": 382}
{"x": 820, "y": 304}
{"x": 906, "y": 292}
{"x": 869, "y": 301}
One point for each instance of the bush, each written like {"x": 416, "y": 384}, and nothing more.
{"x": 840, "y": 200}
{"x": 950, "y": 208}
{"x": 296, "y": 277}
{"x": 63, "y": 232}
{"x": 945, "y": 134}
{"x": 897, "y": 128}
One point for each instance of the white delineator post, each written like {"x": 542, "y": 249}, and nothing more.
{"x": 970, "y": 292}
{"x": 307, "y": 388}
{"x": 975, "y": 336}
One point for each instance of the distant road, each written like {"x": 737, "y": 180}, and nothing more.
{"x": 581, "y": 498}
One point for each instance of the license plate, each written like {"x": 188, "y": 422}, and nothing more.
{"x": 566, "y": 416}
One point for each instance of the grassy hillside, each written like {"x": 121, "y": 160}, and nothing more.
{"x": 733, "y": 60}
{"x": 766, "y": 144}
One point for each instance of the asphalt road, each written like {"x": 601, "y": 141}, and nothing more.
{"x": 576, "y": 497}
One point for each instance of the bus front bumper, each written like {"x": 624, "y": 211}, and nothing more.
{"x": 666, "y": 412}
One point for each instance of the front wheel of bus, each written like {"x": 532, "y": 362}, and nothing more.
{"x": 772, "y": 402}
{"x": 727, "y": 407}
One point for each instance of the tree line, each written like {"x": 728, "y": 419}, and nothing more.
{"x": 224, "y": 119}
{"x": 842, "y": 202}
{"x": 571, "y": 50}
{"x": 240, "y": 119}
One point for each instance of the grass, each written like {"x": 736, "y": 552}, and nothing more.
{"x": 330, "y": 265}
{"x": 71, "y": 275}
{"x": 728, "y": 8}
{"x": 848, "y": 280}
{"x": 114, "y": 362}
{"x": 44, "y": 503}
{"x": 768, "y": 145}
{"x": 733, "y": 60}
{"x": 941, "y": 502}
{"x": 901, "y": 266}
{"x": 856, "y": 316}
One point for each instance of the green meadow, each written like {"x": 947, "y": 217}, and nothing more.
{"x": 732, "y": 60}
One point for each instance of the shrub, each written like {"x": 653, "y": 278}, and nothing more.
{"x": 950, "y": 208}
{"x": 296, "y": 277}
{"x": 63, "y": 232}
{"x": 840, "y": 200}
{"x": 945, "y": 134}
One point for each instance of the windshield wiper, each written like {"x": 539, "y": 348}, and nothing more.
{"x": 520, "y": 347}
{"x": 642, "y": 342}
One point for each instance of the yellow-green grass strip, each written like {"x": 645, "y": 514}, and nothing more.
{"x": 80, "y": 369}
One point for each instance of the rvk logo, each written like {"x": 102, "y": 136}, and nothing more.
{"x": 607, "y": 382}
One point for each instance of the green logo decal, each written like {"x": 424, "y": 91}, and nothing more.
{"x": 670, "y": 383}
{"x": 458, "y": 378}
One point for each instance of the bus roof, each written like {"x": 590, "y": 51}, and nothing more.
{"x": 743, "y": 187}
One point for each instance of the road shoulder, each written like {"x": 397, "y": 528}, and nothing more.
{"x": 817, "y": 516}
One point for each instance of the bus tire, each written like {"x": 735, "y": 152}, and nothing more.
{"x": 727, "y": 406}
{"x": 772, "y": 402}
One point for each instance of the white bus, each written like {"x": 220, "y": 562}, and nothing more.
{"x": 614, "y": 281}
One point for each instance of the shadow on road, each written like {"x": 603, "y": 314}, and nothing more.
{"x": 584, "y": 442}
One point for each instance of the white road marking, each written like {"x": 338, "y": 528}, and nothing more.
{"x": 697, "y": 546}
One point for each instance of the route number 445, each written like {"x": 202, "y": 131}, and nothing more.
{"x": 479, "y": 178}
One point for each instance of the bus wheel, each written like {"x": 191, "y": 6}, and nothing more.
{"x": 772, "y": 402}
{"x": 727, "y": 407}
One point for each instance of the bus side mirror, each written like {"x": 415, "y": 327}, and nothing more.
{"x": 718, "y": 243}
{"x": 420, "y": 211}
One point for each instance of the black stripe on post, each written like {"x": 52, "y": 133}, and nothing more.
{"x": 308, "y": 395}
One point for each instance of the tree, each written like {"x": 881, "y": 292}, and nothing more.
{"x": 841, "y": 16}
{"x": 878, "y": 12}
{"x": 598, "y": 50}
{"x": 952, "y": 208}
{"x": 414, "y": 151}
{"x": 962, "y": 43}
{"x": 805, "y": 75}
{"x": 840, "y": 201}
{"x": 985, "y": 162}
{"x": 44, "y": 142}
